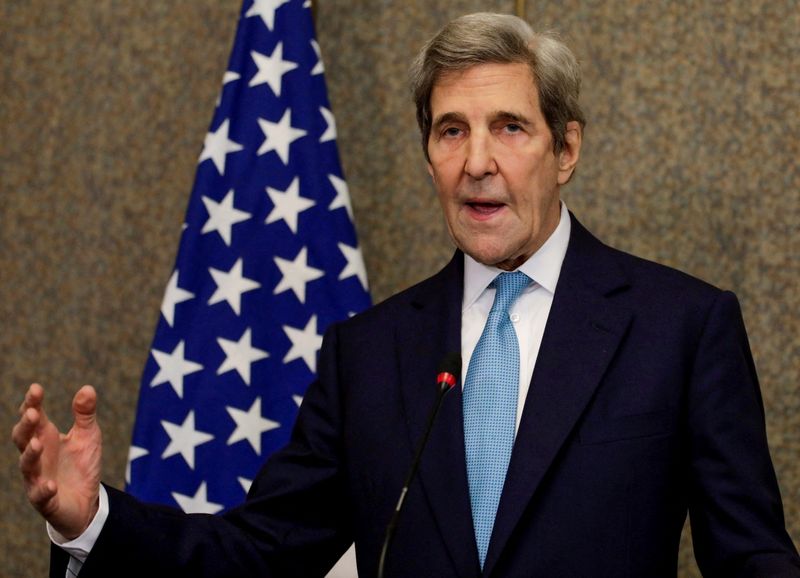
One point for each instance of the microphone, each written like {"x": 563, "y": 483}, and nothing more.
{"x": 446, "y": 379}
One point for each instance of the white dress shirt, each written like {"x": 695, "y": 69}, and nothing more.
{"x": 528, "y": 314}
{"x": 79, "y": 548}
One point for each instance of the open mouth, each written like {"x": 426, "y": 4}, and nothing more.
{"x": 485, "y": 207}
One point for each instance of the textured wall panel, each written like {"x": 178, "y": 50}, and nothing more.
{"x": 690, "y": 158}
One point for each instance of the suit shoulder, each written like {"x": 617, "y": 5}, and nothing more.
{"x": 670, "y": 290}
{"x": 614, "y": 268}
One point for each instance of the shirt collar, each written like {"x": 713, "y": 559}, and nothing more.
{"x": 544, "y": 266}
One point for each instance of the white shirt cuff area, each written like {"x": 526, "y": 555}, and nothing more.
{"x": 80, "y": 547}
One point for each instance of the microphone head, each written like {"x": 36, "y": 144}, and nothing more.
{"x": 449, "y": 370}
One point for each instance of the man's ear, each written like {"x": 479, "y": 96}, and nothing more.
{"x": 569, "y": 155}
{"x": 430, "y": 172}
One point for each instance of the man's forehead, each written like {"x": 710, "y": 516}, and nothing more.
{"x": 498, "y": 90}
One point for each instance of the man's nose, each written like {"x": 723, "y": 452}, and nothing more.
{"x": 480, "y": 161}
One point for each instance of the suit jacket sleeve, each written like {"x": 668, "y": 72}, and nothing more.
{"x": 734, "y": 501}
{"x": 295, "y": 521}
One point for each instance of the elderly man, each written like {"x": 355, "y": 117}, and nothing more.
{"x": 604, "y": 396}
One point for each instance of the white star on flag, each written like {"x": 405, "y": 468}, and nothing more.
{"x": 298, "y": 399}
{"x": 342, "y": 199}
{"x": 278, "y": 136}
{"x": 288, "y": 205}
{"x": 184, "y": 439}
{"x": 296, "y": 274}
{"x": 134, "y": 453}
{"x": 319, "y": 68}
{"x": 305, "y": 344}
{"x": 250, "y": 425}
{"x": 231, "y": 285}
{"x": 266, "y": 10}
{"x": 197, "y": 504}
{"x": 172, "y": 296}
{"x": 227, "y": 78}
{"x": 245, "y": 483}
{"x": 223, "y": 216}
{"x": 330, "y": 131}
{"x": 271, "y": 68}
{"x": 230, "y": 76}
{"x": 355, "y": 265}
{"x": 217, "y": 146}
{"x": 240, "y": 355}
{"x": 173, "y": 367}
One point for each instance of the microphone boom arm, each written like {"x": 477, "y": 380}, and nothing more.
{"x": 446, "y": 382}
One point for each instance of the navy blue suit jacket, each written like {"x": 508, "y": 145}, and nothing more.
{"x": 644, "y": 404}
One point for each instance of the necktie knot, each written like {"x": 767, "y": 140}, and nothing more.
{"x": 508, "y": 286}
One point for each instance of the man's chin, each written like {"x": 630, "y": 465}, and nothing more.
{"x": 495, "y": 257}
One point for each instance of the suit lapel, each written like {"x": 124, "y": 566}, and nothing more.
{"x": 583, "y": 330}
{"x": 426, "y": 333}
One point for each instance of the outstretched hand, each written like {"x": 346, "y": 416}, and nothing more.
{"x": 61, "y": 471}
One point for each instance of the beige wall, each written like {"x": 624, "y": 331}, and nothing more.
{"x": 690, "y": 158}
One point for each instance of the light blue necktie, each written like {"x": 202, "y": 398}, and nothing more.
{"x": 490, "y": 407}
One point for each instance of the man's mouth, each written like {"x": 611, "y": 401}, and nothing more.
{"x": 486, "y": 208}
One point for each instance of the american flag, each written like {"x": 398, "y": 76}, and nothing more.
{"x": 267, "y": 260}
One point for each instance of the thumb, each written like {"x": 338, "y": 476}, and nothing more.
{"x": 84, "y": 406}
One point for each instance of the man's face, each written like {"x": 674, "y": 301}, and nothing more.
{"x": 492, "y": 161}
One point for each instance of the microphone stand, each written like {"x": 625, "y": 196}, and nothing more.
{"x": 446, "y": 381}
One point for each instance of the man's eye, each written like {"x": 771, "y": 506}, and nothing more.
{"x": 512, "y": 128}
{"x": 451, "y": 131}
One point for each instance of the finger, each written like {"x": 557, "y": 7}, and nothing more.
{"x": 84, "y": 407}
{"x": 44, "y": 496}
{"x": 30, "y": 462}
{"x": 33, "y": 397}
{"x": 24, "y": 429}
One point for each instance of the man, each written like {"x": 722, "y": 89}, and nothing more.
{"x": 604, "y": 396}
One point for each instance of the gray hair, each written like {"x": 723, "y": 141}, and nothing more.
{"x": 485, "y": 38}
